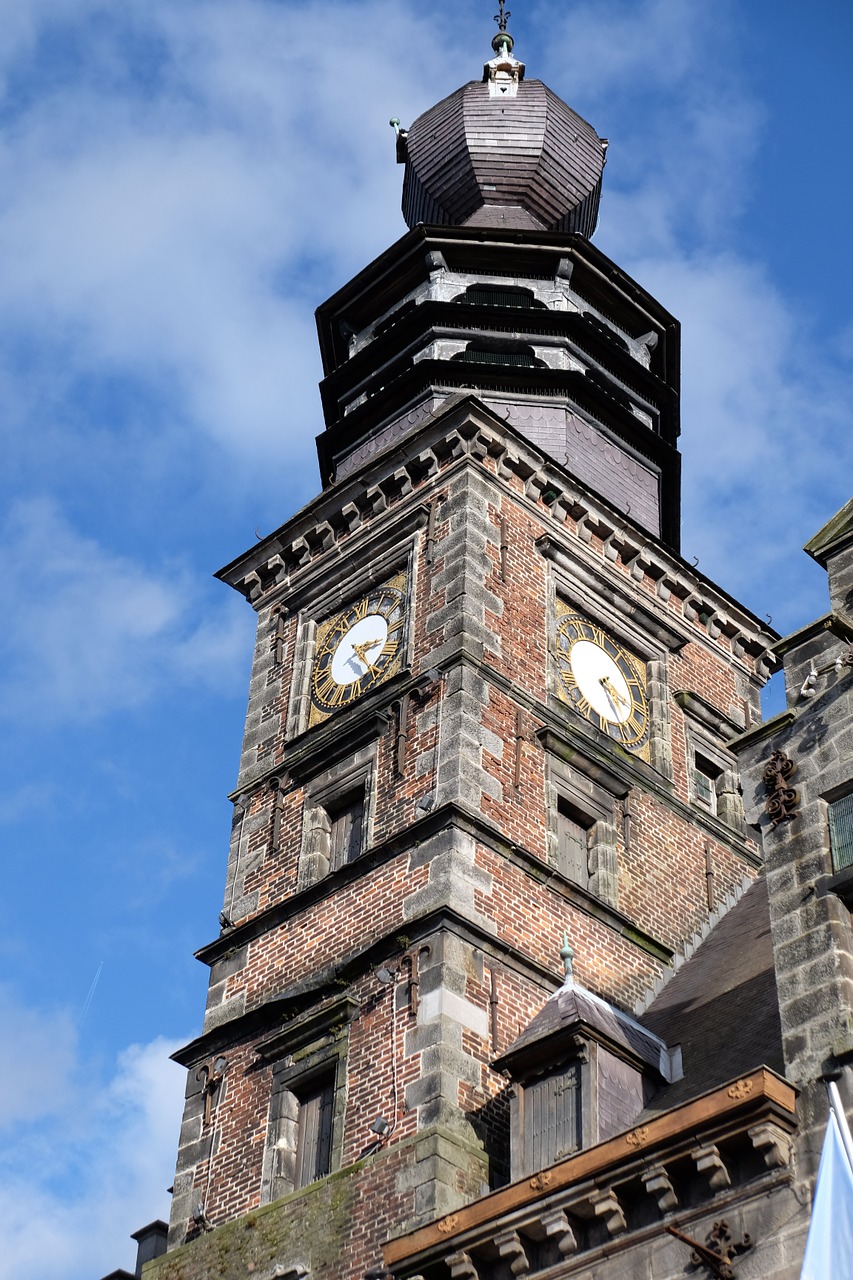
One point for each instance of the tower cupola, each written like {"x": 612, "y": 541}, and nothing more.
{"x": 502, "y": 152}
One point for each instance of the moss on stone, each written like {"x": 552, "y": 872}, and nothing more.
{"x": 309, "y": 1227}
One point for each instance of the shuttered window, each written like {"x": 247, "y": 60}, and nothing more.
{"x": 345, "y": 833}
{"x": 314, "y": 1143}
{"x": 841, "y": 832}
{"x": 552, "y": 1118}
{"x": 572, "y": 846}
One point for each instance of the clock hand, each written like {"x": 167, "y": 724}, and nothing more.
{"x": 613, "y": 693}
{"x": 360, "y": 651}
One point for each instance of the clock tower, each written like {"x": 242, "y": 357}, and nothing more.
{"x": 488, "y": 712}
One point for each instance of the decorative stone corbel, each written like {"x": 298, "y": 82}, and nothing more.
{"x": 773, "y": 1143}
{"x": 606, "y": 1206}
{"x": 690, "y": 606}
{"x": 252, "y": 585}
{"x": 300, "y": 551}
{"x": 461, "y": 1266}
{"x": 716, "y": 622}
{"x": 558, "y": 1230}
{"x": 656, "y": 1181}
{"x": 632, "y": 562}
{"x": 582, "y": 527}
{"x": 611, "y": 551}
{"x": 709, "y": 1162}
{"x": 511, "y": 1249}
{"x": 349, "y": 516}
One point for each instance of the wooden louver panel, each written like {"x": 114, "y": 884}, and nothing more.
{"x": 552, "y": 1118}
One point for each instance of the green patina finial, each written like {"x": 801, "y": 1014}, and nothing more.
{"x": 503, "y": 41}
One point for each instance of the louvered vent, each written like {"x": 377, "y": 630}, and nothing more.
{"x": 520, "y": 359}
{"x": 841, "y": 832}
{"x": 484, "y": 296}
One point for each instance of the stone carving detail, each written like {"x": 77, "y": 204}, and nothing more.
{"x": 782, "y": 798}
{"x": 461, "y": 1266}
{"x": 606, "y": 1206}
{"x": 740, "y": 1090}
{"x": 637, "y": 1137}
{"x": 448, "y": 1224}
{"x": 541, "y": 1181}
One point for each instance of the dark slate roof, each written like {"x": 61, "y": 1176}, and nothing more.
{"x": 526, "y": 161}
{"x": 573, "y": 1009}
{"x": 721, "y": 1005}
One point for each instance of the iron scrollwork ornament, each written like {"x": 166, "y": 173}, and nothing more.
{"x": 782, "y": 798}
{"x": 718, "y": 1253}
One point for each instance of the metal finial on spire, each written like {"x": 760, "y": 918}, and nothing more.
{"x": 567, "y": 956}
{"x": 502, "y": 18}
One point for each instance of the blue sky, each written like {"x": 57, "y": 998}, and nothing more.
{"x": 181, "y": 186}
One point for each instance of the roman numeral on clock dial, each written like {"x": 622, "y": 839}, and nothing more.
{"x": 602, "y": 681}
{"x": 357, "y": 649}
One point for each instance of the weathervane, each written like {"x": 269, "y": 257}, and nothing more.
{"x": 502, "y": 18}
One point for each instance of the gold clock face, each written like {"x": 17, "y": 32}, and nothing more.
{"x": 357, "y": 649}
{"x": 602, "y": 681}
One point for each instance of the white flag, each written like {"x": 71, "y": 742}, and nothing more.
{"x": 829, "y": 1248}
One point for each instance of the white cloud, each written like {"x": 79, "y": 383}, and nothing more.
{"x": 37, "y": 1071}
{"x": 680, "y": 164}
{"x": 171, "y": 226}
{"x": 767, "y": 455}
{"x": 92, "y": 631}
{"x": 76, "y": 1183}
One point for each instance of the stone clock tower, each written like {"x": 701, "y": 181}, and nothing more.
{"x": 488, "y": 713}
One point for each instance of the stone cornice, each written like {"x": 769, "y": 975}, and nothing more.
{"x": 698, "y": 709}
{"x": 835, "y": 623}
{"x": 456, "y": 816}
{"x": 469, "y": 433}
{"x": 277, "y": 1012}
{"x": 759, "y": 732}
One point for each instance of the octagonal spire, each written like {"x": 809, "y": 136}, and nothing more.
{"x": 503, "y": 151}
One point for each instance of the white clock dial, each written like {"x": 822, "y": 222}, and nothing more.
{"x": 603, "y": 682}
{"x": 357, "y": 649}
{"x": 600, "y": 681}
{"x": 360, "y": 645}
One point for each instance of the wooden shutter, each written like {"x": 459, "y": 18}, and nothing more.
{"x": 314, "y": 1143}
{"x": 552, "y": 1118}
{"x": 572, "y": 847}
{"x": 346, "y": 831}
